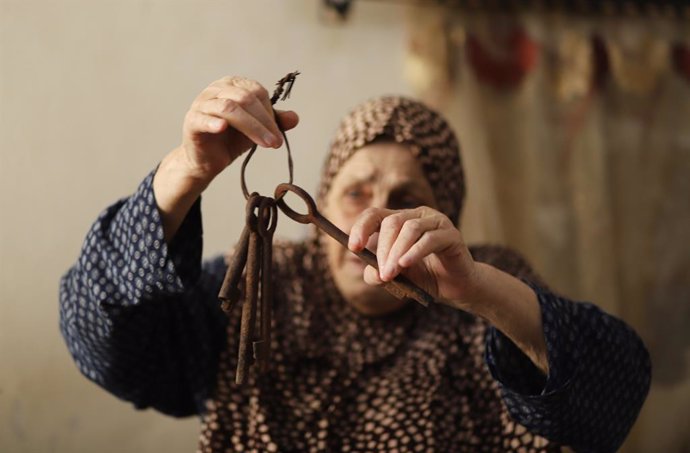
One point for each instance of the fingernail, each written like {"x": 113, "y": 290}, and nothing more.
{"x": 390, "y": 271}
{"x": 216, "y": 123}
{"x": 382, "y": 273}
{"x": 270, "y": 139}
{"x": 351, "y": 243}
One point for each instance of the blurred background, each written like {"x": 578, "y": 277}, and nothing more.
{"x": 574, "y": 119}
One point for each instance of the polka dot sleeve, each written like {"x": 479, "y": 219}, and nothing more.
{"x": 134, "y": 310}
{"x": 599, "y": 376}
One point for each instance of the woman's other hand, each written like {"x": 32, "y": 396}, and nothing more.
{"x": 423, "y": 244}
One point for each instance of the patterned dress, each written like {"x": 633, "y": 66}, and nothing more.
{"x": 141, "y": 319}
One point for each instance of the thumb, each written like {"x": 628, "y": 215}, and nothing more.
{"x": 287, "y": 119}
{"x": 371, "y": 276}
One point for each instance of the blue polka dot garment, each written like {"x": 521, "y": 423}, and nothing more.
{"x": 141, "y": 319}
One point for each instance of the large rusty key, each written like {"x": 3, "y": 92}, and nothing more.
{"x": 248, "y": 321}
{"x": 267, "y": 220}
{"x": 230, "y": 293}
{"x": 400, "y": 287}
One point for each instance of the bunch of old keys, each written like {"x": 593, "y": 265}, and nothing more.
{"x": 254, "y": 251}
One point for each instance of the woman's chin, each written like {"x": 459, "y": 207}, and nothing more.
{"x": 367, "y": 299}
{"x": 370, "y": 300}
{"x": 354, "y": 268}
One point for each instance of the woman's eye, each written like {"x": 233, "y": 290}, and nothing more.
{"x": 405, "y": 203}
{"x": 355, "y": 194}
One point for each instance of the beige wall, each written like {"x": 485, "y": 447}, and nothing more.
{"x": 92, "y": 95}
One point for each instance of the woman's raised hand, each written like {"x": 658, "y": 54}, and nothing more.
{"x": 225, "y": 120}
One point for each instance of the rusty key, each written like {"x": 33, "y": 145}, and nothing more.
{"x": 230, "y": 293}
{"x": 266, "y": 226}
{"x": 248, "y": 321}
{"x": 400, "y": 286}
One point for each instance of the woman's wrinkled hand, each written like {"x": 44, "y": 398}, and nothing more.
{"x": 225, "y": 120}
{"x": 424, "y": 245}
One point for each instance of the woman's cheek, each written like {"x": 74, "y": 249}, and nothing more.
{"x": 345, "y": 218}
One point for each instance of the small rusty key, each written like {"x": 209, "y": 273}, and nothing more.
{"x": 248, "y": 321}
{"x": 400, "y": 286}
{"x": 266, "y": 226}
{"x": 230, "y": 293}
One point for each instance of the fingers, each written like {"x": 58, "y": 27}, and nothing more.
{"x": 287, "y": 119}
{"x": 404, "y": 237}
{"x": 405, "y": 232}
{"x": 241, "y": 119}
{"x": 366, "y": 224}
{"x": 205, "y": 123}
{"x": 433, "y": 241}
{"x": 371, "y": 276}
{"x": 247, "y": 91}
{"x": 257, "y": 90}
{"x": 249, "y": 85}
{"x": 388, "y": 225}
{"x": 245, "y": 105}
{"x": 257, "y": 106}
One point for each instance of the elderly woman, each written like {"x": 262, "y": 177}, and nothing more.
{"x": 499, "y": 363}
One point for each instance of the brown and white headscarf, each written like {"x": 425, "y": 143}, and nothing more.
{"x": 411, "y": 123}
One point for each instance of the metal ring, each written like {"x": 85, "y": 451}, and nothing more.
{"x": 253, "y": 201}
{"x": 243, "y": 180}
{"x": 280, "y": 192}
{"x": 267, "y": 217}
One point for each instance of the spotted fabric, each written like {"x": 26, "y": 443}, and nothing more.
{"x": 141, "y": 319}
{"x": 414, "y": 125}
{"x": 127, "y": 313}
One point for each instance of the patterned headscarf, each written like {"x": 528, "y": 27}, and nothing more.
{"x": 410, "y": 123}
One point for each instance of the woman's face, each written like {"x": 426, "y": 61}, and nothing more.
{"x": 382, "y": 175}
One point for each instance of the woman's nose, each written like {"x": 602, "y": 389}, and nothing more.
{"x": 380, "y": 200}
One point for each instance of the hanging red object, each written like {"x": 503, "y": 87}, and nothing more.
{"x": 503, "y": 58}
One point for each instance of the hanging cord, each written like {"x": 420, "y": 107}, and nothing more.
{"x": 282, "y": 92}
